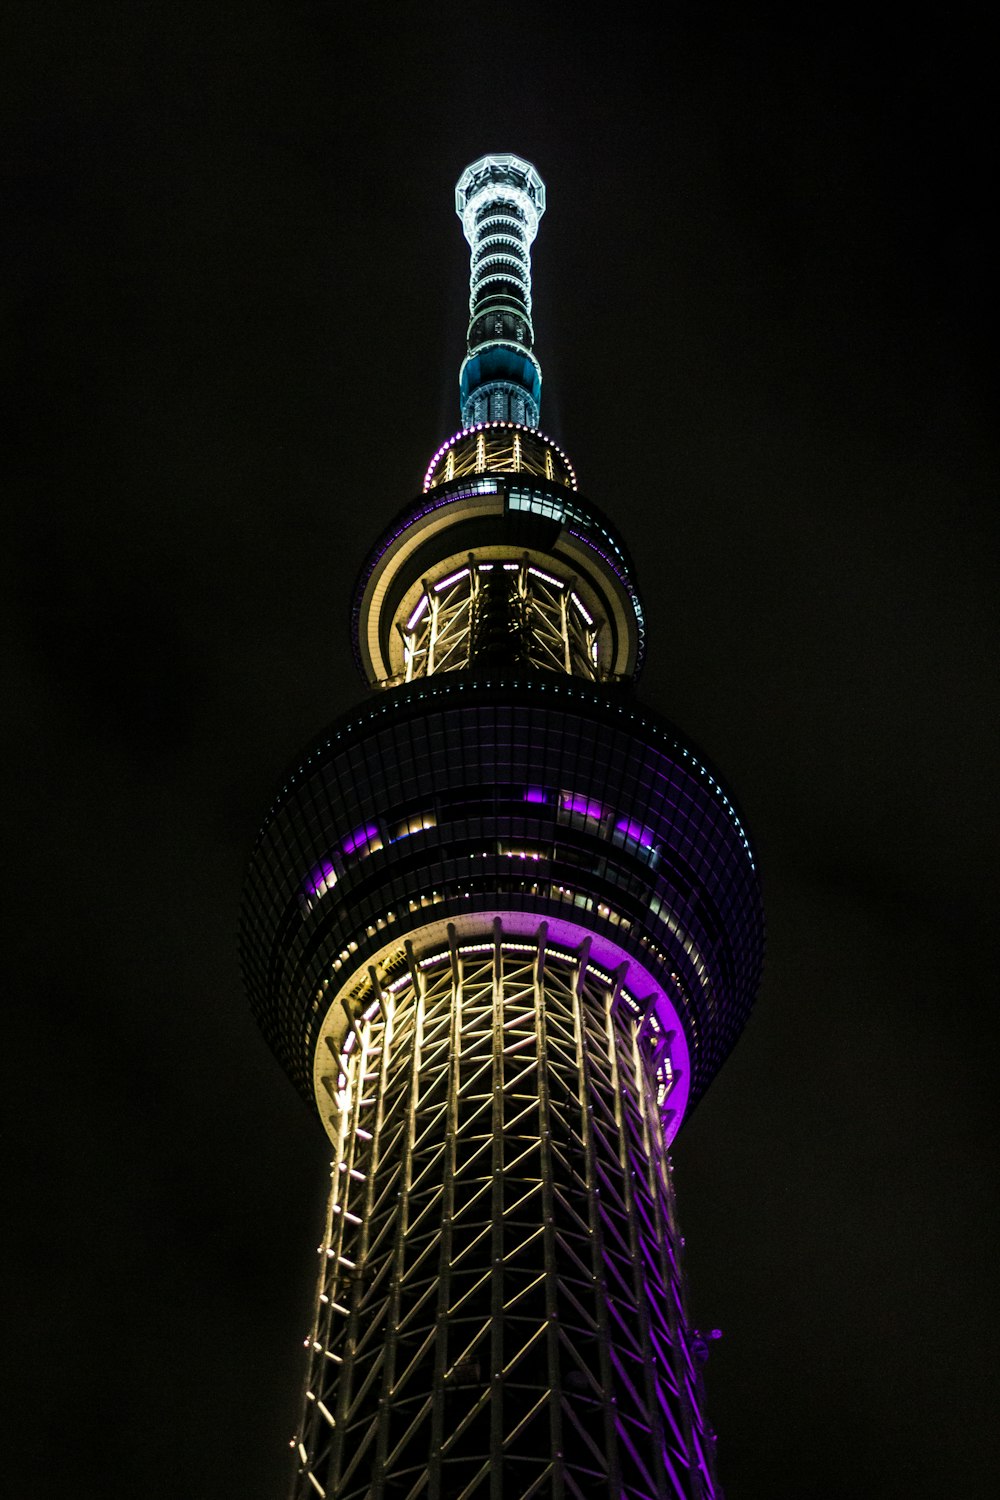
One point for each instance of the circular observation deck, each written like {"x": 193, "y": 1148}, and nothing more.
{"x": 499, "y": 448}
{"x": 447, "y": 807}
{"x": 504, "y": 568}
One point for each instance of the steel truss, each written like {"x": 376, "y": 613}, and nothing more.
{"x": 543, "y": 624}
{"x": 500, "y": 447}
{"x": 501, "y": 450}
{"x": 501, "y": 1306}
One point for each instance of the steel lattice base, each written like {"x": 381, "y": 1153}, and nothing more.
{"x": 501, "y": 1305}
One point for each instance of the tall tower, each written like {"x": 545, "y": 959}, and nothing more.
{"x": 501, "y": 927}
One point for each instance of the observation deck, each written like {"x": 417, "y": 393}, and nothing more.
{"x": 503, "y": 569}
{"x": 462, "y": 800}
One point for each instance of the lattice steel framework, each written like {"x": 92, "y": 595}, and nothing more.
{"x": 504, "y": 607}
{"x": 498, "y": 447}
{"x": 501, "y": 1308}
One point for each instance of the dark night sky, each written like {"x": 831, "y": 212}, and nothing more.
{"x": 233, "y": 293}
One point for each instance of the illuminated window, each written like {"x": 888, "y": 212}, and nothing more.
{"x": 636, "y": 839}
{"x": 415, "y": 824}
{"x": 538, "y": 504}
{"x": 320, "y": 880}
{"x": 581, "y": 810}
{"x": 363, "y": 840}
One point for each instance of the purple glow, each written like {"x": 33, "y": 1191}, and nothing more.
{"x": 605, "y": 955}
{"x": 582, "y": 805}
{"x": 535, "y": 794}
{"x": 622, "y": 577}
{"x": 322, "y": 879}
{"x": 482, "y": 487}
{"x": 482, "y": 427}
{"x": 635, "y": 831}
{"x": 421, "y": 606}
{"x": 359, "y": 837}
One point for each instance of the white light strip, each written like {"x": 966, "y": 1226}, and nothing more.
{"x": 575, "y": 598}
{"x": 547, "y": 578}
{"x": 452, "y": 578}
{"x": 488, "y": 487}
{"x": 417, "y": 612}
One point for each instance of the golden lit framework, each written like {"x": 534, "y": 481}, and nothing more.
{"x": 500, "y": 448}
{"x": 500, "y": 1309}
{"x": 504, "y": 607}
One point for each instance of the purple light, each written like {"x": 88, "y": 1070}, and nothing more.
{"x": 322, "y": 879}
{"x": 483, "y": 486}
{"x": 605, "y": 954}
{"x": 535, "y": 794}
{"x": 582, "y": 805}
{"x": 635, "y": 831}
{"x": 359, "y": 837}
{"x": 623, "y": 577}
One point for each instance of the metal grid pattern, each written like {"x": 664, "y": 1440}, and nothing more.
{"x": 483, "y": 510}
{"x": 501, "y": 611}
{"x": 500, "y": 448}
{"x": 500, "y": 1309}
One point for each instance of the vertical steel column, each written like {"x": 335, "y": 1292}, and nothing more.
{"x": 432, "y": 631}
{"x": 399, "y": 1247}
{"x": 496, "y": 1238}
{"x": 684, "y": 1413}
{"x": 585, "y": 1094}
{"x": 551, "y": 1267}
{"x": 564, "y": 623}
{"x": 441, "y": 1351}
{"x": 624, "y": 1137}
{"x": 345, "y": 1386}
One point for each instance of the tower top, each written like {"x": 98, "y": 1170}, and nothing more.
{"x": 495, "y": 178}
{"x": 500, "y": 199}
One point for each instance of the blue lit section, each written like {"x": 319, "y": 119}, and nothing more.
{"x": 500, "y": 200}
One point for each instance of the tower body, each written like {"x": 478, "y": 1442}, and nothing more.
{"x": 502, "y": 926}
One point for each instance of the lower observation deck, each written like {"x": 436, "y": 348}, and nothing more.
{"x": 460, "y": 800}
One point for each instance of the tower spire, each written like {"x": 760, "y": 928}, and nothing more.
{"x": 500, "y": 200}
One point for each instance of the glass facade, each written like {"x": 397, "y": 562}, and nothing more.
{"x": 565, "y": 546}
{"x": 613, "y": 804}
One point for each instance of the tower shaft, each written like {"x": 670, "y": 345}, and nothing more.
{"x": 500, "y": 1282}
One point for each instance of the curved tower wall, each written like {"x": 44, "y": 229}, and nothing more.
{"x": 501, "y": 927}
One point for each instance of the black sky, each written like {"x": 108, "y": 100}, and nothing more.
{"x": 233, "y": 292}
